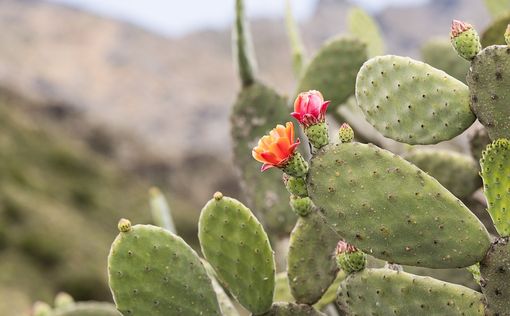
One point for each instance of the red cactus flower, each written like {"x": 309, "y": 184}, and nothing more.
{"x": 343, "y": 247}
{"x": 275, "y": 149}
{"x": 310, "y": 108}
{"x": 459, "y": 27}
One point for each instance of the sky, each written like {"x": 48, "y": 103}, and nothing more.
{"x": 179, "y": 17}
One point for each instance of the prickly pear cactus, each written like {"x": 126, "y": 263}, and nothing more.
{"x": 372, "y": 198}
{"x": 488, "y": 82}
{"x": 494, "y": 33}
{"x": 154, "y": 272}
{"x": 292, "y": 309}
{"x": 388, "y": 292}
{"x": 495, "y": 272}
{"x": 237, "y": 247}
{"x": 362, "y": 26}
{"x": 412, "y": 102}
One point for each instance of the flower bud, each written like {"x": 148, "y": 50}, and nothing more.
{"x": 465, "y": 39}
{"x": 349, "y": 258}
{"x": 345, "y": 133}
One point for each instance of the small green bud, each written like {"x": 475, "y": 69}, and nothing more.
{"x": 465, "y": 39}
{"x": 63, "y": 300}
{"x": 296, "y": 166}
{"x": 349, "y": 258}
{"x": 317, "y": 134}
{"x": 475, "y": 271}
{"x": 295, "y": 186}
{"x": 345, "y": 133}
{"x": 124, "y": 225}
{"x": 218, "y": 196}
{"x": 301, "y": 206}
{"x": 507, "y": 35}
{"x": 41, "y": 309}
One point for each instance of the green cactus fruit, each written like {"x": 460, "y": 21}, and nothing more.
{"x": 488, "y": 85}
{"x": 465, "y": 39}
{"x": 295, "y": 186}
{"x": 237, "y": 247}
{"x": 257, "y": 110}
{"x": 372, "y": 198}
{"x": 507, "y": 35}
{"x": 363, "y": 26}
{"x": 154, "y": 272}
{"x": 497, "y": 7}
{"x": 311, "y": 266}
{"x": 350, "y": 259}
{"x": 495, "y": 172}
{"x": 478, "y": 140}
{"x": 456, "y": 172}
{"x": 388, "y": 292}
{"x": 302, "y": 206}
{"x": 41, "y": 309}
{"x": 495, "y": 272}
{"x": 412, "y": 102}
{"x": 317, "y": 135}
{"x": 296, "y": 166}
{"x": 87, "y": 309}
{"x": 292, "y": 309}
{"x": 345, "y": 133}
{"x": 63, "y": 300}
{"x": 494, "y": 34}
{"x": 333, "y": 70}
{"x": 161, "y": 213}
{"x": 439, "y": 54}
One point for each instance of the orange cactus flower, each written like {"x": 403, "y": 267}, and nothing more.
{"x": 275, "y": 149}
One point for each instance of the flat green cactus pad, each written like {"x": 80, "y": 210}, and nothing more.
{"x": 87, "y": 309}
{"x": 154, "y": 272}
{"x": 238, "y": 249}
{"x": 387, "y": 292}
{"x": 495, "y": 272}
{"x": 440, "y": 54}
{"x": 412, "y": 102}
{"x": 311, "y": 265}
{"x": 257, "y": 110}
{"x": 333, "y": 70}
{"x": 489, "y": 90}
{"x": 392, "y": 210}
{"x": 456, "y": 172}
{"x": 495, "y": 165}
{"x": 494, "y": 33}
{"x": 292, "y": 309}
{"x": 497, "y": 7}
{"x": 364, "y": 27}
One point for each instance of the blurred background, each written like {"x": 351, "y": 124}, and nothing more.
{"x": 101, "y": 99}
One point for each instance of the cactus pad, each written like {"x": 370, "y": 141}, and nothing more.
{"x": 373, "y": 198}
{"x": 412, "y": 102}
{"x": 236, "y": 246}
{"x": 495, "y": 273}
{"x": 495, "y": 172}
{"x": 153, "y": 272}
{"x": 364, "y": 27}
{"x": 87, "y": 309}
{"x": 488, "y": 85}
{"x": 292, "y": 309}
{"x": 494, "y": 33}
{"x": 257, "y": 110}
{"x": 456, "y": 172}
{"x": 333, "y": 70}
{"x": 311, "y": 265}
{"x": 388, "y": 292}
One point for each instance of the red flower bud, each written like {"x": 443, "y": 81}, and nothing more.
{"x": 310, "y": 108}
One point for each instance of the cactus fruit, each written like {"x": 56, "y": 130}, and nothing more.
{"x": 333, "y": 70}
{"x": 439, "y": 54}
{"x": 412, "y": 102}
{"x": 456, "y": 172}
{"x": 257, "y": 110}
{"x": 488, "y": 86}
{"x": 345, "y": 133}
{"x": 237, "y": 247}
{"x": 302, "y": 206}
{"x": 372, "y": 198}
{"x": 495, "y": 272}
{"x": 465, "y": 39}
{"x": 295, "y": 186}
{"x": 362, "y": 26}
{"x": 142, "y": 282}
{"x": 311, "y": 266}
{"x": 388, "y": 292}
{"x": 495, "y": 173}
{"x": 349, "y": 258}
{"x": 494, "y": 33}
{"x": 292, "y": 309}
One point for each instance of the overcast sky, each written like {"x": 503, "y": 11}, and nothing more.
{"x": 178, "y": 17}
